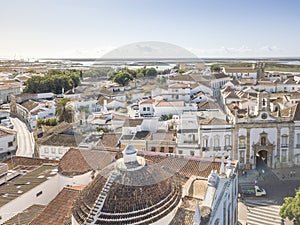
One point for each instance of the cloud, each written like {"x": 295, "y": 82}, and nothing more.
{"x": 268, "y": 48}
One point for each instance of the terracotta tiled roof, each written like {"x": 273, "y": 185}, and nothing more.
{"x": 26, "y": 161}
{"x": 26, "y": 216}
{"x": 147, "y": 101}
{"x": 164, "y": 103}
{"x": 183, "y": 78}
{"x": 213, "y": 121}
{"x": 30, "y": 105}
{"x": 59, "y": 128}
{"x": 6, "y": 132}
{"x": 179, "y": 85}
{"x": 290, "y": 81}
{"x": 208, "y": 105}
{"x": 58, "y": 209}
{"x": 132, "y": 122}
{"x": 109, "y": 142}
{"x": 220, "y": 75}
{"x": 295, "y": 110}
{"x": 61, "y": 140}
{"x": 76, "y": 162}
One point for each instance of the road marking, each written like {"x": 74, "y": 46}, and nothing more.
{"x": 263, "y": 212}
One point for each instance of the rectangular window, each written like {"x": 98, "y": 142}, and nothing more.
{"x": 227, "y": 140}
{"x": 171, "y": 149}
{"x": 242, "y": 143}
{"x": 192, "y": 153}
{"x": 242, "y": 156}
{"x": 39, "y": 193}
{"x": 53, "y": 151}
{"x": 298, "y": 140}
{"x": 144, "y": 108}
{"x": 10, "y": 144}
{"x": 153, "y": 149}
{"x": 284, "y": 141}
{"x": 60, "y": 151}
{"x": 46, "y": 150}
{"x": 148, "y": 108}
{"x": 180, "y": 152}
{"x": 205, "y": 142}
{"x": 283, "y": 155}
{"x": 162, "y": 149}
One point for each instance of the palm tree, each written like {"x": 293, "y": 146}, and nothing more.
{"x": 64, "y": 111}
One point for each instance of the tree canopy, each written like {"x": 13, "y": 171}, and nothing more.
{"x": 123, "y": 78}
{"x": 215, "y": 68}
{"x": 125, "y": 75}
{"x": 54, "y": 81}
{"x": 291, "y": 208}
{"x": 64, "y": 112}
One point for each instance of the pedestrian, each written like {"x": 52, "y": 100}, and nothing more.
{"x": 245, "y": 173}
{"x": 294, "y": 173}
{"x": 291, "y": 173}
{"x": 255, "y": 181}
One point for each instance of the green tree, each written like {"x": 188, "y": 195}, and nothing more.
{"x": 181, "y": 71}
{"x": 64, "y": 111}
{"x": 291, "y": 208}
{"x": 215, "y": 68}
{"x": 54, "y": 81}
{"x": 123, "y": 78}
{"x": 150, "y": 72}
{"x": 140, "y": 75}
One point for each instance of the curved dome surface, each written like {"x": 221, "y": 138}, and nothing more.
{"x": 111, "y": 200}
{"x": 150, "y": 50}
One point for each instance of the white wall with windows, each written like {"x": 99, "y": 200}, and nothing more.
{"x": 216, "y": 140}
{"x": 8, "y": 144}
{"x": 52, "y": 152}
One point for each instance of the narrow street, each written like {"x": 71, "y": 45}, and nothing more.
{"x": 25, "y": 138}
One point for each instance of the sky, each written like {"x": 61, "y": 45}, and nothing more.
{"x": 91, "y": 28}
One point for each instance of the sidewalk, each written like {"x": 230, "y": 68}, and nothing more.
{"x": 249, "y": 177}
{"x": 285, "y": 173}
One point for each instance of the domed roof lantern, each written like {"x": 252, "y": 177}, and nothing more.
{"x": 130, "y": 154}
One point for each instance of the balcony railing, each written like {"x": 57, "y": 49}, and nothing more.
{"x": 284, "y": 145}
{"x": 217, "y": 148}
{"x": 242, "y": 146}
{"x": 227, "y": 147}
{"x": 297, "y": 145}
{"x": 205, "y": 148}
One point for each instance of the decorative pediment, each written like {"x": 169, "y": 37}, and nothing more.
{"x": 263, "y": 143}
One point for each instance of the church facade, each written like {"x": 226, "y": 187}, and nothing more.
{"x": 268, "y": 135}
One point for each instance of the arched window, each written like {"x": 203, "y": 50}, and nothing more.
{"x": 263, "y": 141}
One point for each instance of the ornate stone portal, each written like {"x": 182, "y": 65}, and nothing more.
{"x": 263, "y": 150}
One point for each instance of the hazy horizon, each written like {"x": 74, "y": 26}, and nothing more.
{"x": 92, "y": 28}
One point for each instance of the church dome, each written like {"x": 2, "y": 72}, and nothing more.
{"x": 127, "y": 193}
